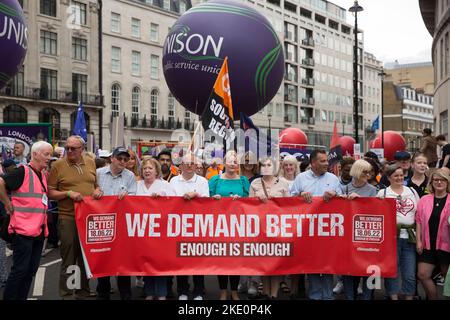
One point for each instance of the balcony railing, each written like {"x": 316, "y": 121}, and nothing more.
{"x": 308, "y": 81}
{"x": 154, "y": 123}
{"x": 308, "y": 42}
{"x": 51, "y": 95}
{"x": 308, "y": 62}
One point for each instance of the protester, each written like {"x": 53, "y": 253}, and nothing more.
{"x": 28, "y": 213}
{"x": 429, "y": 145}
{"x": 358, "y": 187}
{"x": 289, "y": 170}
{"x": 133, "y": 165}
{"x": 116, "y": 180}
{"x": 200, "y": 168}
{"x": 106, "y": 155}
{"x": 249, "y": 166}
{"x": 419, "y": 181}
{"x": 19, "y": 157}
{"x": 403, "y": 160}
{"x": 432, "y": 230}
{"x": 318, "y": 182}
{"x": 190, "y": 185}
{"x": 346, "y": 166}
{"x": 265, "y": 188}
{"x": 165, "y": 160}
{"x": 215, "y": 168}
{"x": 374, "y": 173}
{"x": 72, "y": 178}
{"x": 406, "y": 204}
{"x": 445, "y": 151}
{"x": 229, "y": 184}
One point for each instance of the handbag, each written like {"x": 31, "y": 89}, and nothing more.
{"x": 4, "y": 224}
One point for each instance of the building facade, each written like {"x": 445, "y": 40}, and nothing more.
{"x": 418, "y": 76}
{"x": 61, "y": 68}
{"x": 407, "y": 112}
{"x": 372, "y": 96}
{"x": 436, "y": 16}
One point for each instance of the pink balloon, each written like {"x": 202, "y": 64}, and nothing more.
{"x": 347, "y": 144}
{"x": 393, "y": 142}
{"x": 290, "y": 137}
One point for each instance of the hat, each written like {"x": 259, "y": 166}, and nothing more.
{"x": 8, "y": 163}
{"x": 120, "y": 150}
{"x": 402, "y": 155}
{"x": 104, "y": 153}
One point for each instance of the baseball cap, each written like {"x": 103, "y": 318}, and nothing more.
{"x": 104, "y": 153}
{"x": 120, "y": 150}
{"x": 402, "y": 155}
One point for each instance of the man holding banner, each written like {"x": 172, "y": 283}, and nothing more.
{"x": 318, "y": 182}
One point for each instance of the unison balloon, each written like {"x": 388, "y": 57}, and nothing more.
{"x": 203, "y": 36}
{"x": 13, "y": 39}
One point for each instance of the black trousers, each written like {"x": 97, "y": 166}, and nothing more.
{"x": 223, "y": 282}
{"x": 104, "y": 287}
{"x": 183, "y": 285}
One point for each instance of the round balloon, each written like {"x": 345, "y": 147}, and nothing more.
{"x": 347, "y": 144}
{"x": 393, "y": 142}
{"x": 198, "y": 43}
{"x": 290, "y": 137}
{"x": 13, "y": 39}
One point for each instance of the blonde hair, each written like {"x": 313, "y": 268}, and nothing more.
{"x": 441, "y": 173}
{"x": 135, "y": 168}
{"x": 275, "y": 163}
{"x": 358, "y": 167}
{"x": 292, "y": 160}
{"x": 152, "y": 161}
{"x": 229, "y": 154}
{"x": 251, "y": 160}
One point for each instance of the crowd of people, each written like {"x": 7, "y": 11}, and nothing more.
{"x": 38, "y": 197}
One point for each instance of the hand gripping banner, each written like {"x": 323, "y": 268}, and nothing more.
{"x": 173, "y": 236}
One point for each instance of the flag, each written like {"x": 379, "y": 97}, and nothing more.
{"x": 80, "y": 123}
{"x": 217, "y": 117}
{"x": 335, "y": 154}
{"x": 256, "y": 141}
{"x": 376, "y": 124}
{"x": 5, "y": 155}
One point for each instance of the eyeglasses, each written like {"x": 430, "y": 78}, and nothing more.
{"x": 72, "y": 148}
{"x": 122, "y": 159}
{"x": 439, "y": 180}
{"x": 366, "y": 172}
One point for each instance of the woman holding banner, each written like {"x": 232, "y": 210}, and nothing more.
{"x": 152, "y": 185}
{"x": 267, "y": 187}
{"x": 359, "y": 186}
{"x": 406, "y": 204}
{"x": 249, "y": 166}
{"x": 229, "y": 184}
{"x": 290, "y": 168}
{"x": 433, "y": 232}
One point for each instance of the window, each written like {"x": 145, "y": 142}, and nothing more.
{"x": 79, "y": 87}
{"x": 135, "y": 63}
{"x": 182, "y": 6}
{"x": 79, "y": 49}
{"x": 441, "y": 62}
{"x": 171, "y": 109}
{"x": 48, "y": 42}
{"x": 154, "y": 32}
{"x": 15, "y": 114}
{"x": 78, "y": 13}
{"x": 290, "y": 114}
{"x": 115, "y": 59}
{"x": 115, "y": 100}
{"x": 443, "y": 123}
{"x": 49, "y": 84}
{"x": 154, "y": 68}
{"x": 446, "y": 54}
{"x": 135, "y": 102}
{"x": 115, "y": 22}
{"x": 166, "y": 4}
{"x": 135, "y": 28}
{"x": 48, "y": 7}
{"x": 154, "y": 105}
{"x": 15, "y": 87}
{"x": 50, "y": 115}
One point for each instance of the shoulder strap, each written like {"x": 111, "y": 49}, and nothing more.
{"x": 384, "y": 191}
{"x": 264, "y": 187}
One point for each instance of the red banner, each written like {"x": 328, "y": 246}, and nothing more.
{"x": 173, "y": 236}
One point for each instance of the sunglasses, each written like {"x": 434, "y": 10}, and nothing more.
{"x": 122, "y": 159}
{"x": 72, "y": 148}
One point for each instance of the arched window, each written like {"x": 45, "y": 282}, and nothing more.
{"x": 115, "y": 100}
{"x": 135, "y": 102}
{"x": 154, "y": 105}
{"x": 15, "y": 114}
{"x": 50, "y": 115}
{"x": 73, "y": 117}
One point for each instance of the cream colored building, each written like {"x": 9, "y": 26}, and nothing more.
{"x": 372, "y": 95}
{"x": 418, "y": 76}
{"x": 436, "y": 15}
{"x": 133, "y": 37}
{"x": 61, "y": 67}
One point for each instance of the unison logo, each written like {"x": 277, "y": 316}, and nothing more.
{"x": 9, "y": 28}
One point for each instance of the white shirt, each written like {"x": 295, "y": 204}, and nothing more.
{"x": 406, "y": 207}
{"x": 195, "y": 184}
{"x": 159, "y": 186}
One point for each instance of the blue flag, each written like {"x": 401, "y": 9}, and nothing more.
{"x": 255, "y": 137}
{"x": 376, "y": 124}
{"x": 80, "y": 123}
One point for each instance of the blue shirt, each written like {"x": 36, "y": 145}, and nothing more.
{"x": 316, "y": 185}
{"x": 115, "y": 185}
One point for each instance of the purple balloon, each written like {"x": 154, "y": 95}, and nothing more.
{"x": 200, "y": 40}
{"x": 13, "y": 39}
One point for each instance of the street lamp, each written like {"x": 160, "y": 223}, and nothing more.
{"x": 355, "y": 8}
{"x": 382, "y": 74}
{"x": 269, "y": 116}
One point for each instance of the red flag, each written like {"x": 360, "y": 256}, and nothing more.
{"x": 334, "y": 138}
{"x": 335, "y": 154}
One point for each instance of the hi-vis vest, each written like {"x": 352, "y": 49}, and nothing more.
{"x": 30, "y": 212}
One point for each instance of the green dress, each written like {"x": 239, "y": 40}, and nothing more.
{"x": 228, "y": 188}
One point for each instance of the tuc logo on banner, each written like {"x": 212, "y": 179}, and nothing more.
{"x": 100, "y": 228}
{"x": 140, "y": 235}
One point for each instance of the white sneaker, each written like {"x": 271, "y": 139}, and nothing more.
{"x": 339, "y": 288}
{"x": 139, "y": 282}
{"x": 242, "y": 287}
{"x": 360, "y": 288}
{"x": 197, "y": 298}
{"x": 252, "y": 289}
{"x": 9, "y": 252}
{"x": 183, "y": 297}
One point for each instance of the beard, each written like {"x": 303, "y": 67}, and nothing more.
{"x": 165, "y": 168}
